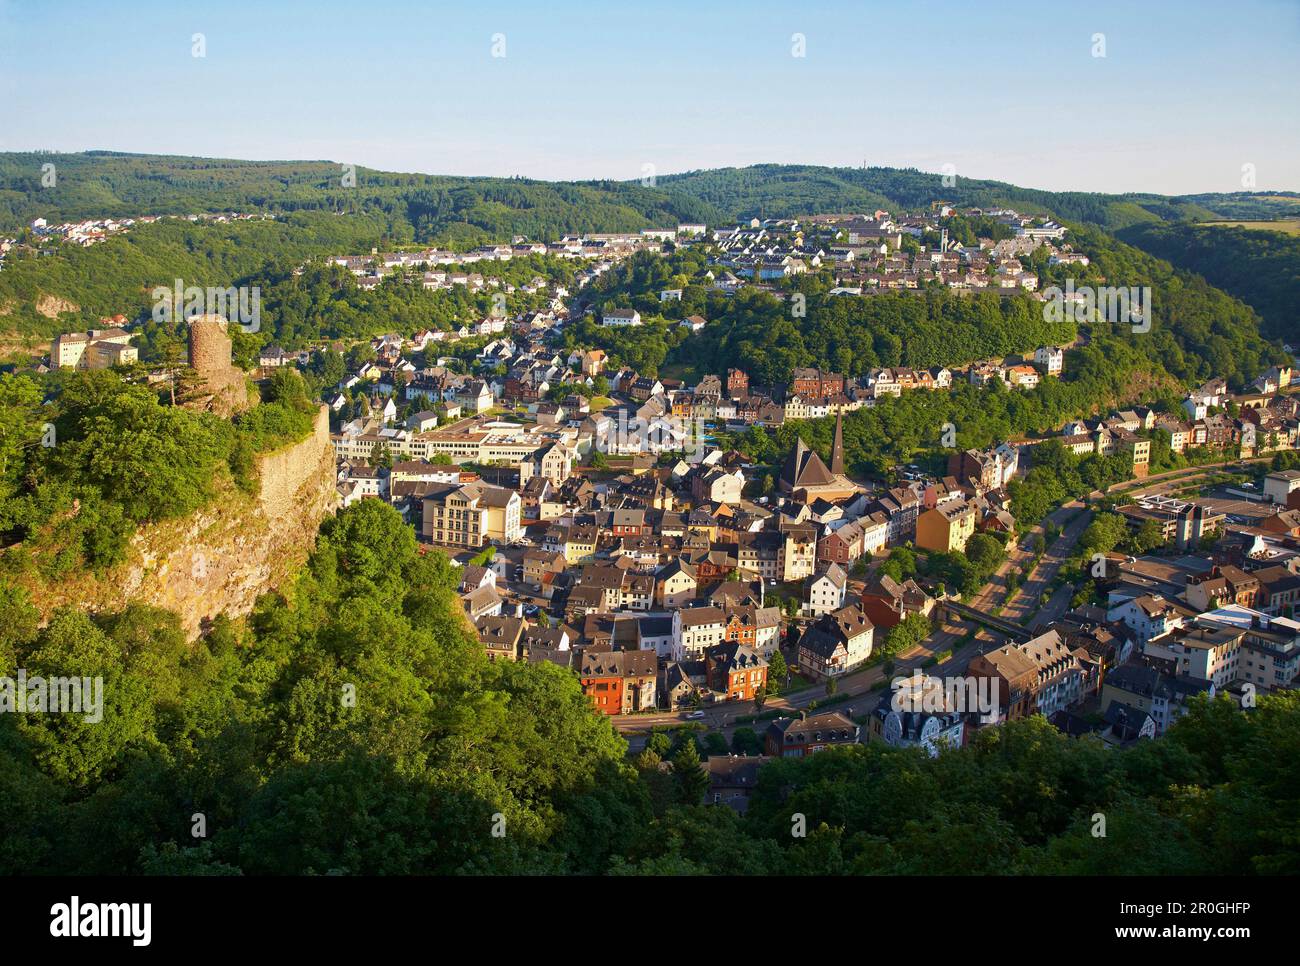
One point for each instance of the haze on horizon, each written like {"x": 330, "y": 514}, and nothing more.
{"x": 1185, "y": 96}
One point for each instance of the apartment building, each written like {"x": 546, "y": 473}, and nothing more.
{"x": 471, "y": 515}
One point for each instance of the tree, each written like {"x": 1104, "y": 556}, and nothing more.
{"x": 692, "y": 781}
{"x": 1104, "y": 533}
{"x": 1148, "y": 537}
{"x": 330, "y": 366}
{"x": 745, "y": 741}
{"x": 906, "y": 634}
{"x": 777, "y": 673}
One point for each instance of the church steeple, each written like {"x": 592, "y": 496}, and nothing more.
{"x": 837, "y": 448}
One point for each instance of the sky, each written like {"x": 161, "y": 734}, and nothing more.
{"x": 1188, "y": 94}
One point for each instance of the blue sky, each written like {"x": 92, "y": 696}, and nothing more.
{"x": 1187, "y": 93}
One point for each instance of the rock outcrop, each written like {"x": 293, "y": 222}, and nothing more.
{"x": 222, "y": 558}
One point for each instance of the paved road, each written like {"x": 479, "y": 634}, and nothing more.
{"x": 860, "y": 685}
{"x": 994, "y": 592}
{"x": 1022, "y": 607}
{"x": 1056, "y": 607}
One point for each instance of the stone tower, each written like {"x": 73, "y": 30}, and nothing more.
{"x": 209, "y": 344}
{"x": 219, "y": 386}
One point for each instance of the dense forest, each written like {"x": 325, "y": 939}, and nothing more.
{"x": 1260, "y": 267}
{"x": 785, "y": 191}
{"x": 324, "y": 302}
{"x": 101, "y": 184}
{"x": 118, "y": 275}
{"x": 354, "y": 726}
{"x": 469, "y": 211}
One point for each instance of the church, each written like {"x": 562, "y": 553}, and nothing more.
{"x": 807, "y": 478}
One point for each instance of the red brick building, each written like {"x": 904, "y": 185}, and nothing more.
{"x": 619, "y": 682}
{"x": 815, "y": 383}
{"x": 737, "y": 383}
{"x": 736, "y": 670}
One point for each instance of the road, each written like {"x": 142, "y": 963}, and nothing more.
{"x": 859, "y": 684}
{"x": 1023, "y": 605}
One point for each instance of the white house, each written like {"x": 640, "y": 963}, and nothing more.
{"x": 826, "y": 590}
{"x": 695, "y": 629}
{"x": 616, "y": 317}
{"x": 1147, "y": 616}
{"x": 1050, "y": 359}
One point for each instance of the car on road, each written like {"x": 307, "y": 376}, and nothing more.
{"x": 695, "y": 715}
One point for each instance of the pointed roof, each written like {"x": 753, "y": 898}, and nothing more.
{"x": 805, "y": 468}
{"x": 837, "y": 448}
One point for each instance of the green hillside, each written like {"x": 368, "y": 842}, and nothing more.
{"x": 471, "y": 210}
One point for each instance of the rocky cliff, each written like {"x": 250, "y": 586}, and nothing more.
{"x": 220, "y": 559}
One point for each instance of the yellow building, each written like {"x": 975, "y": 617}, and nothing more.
{"x": 580, "y": 543}
{"x": 96, "y": 349}
{"x": 471, "y": 515}
{"x": 947, "y": 527}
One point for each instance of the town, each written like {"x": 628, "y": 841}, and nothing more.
{"x": 604, "y": 520}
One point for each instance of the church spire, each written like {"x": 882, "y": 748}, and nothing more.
{"x": 837, "y": 448}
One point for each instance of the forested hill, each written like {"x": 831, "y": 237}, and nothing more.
{"x": 1260, "y": 267}
{"x": 470, "y": 210}
{"x": 110, "y": 184}
{"x": 316, "y": 214}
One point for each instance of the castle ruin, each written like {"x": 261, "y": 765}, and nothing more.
{"x": 220, "y": 386}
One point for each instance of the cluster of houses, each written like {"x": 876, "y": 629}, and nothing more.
{"x": 440, "y": 268}
{"x": 1252, "y": 424}
{"x": 96, "y": 349}
{"x": 1172, "y": 627}
{"x": 91, "y": 231}
{"x": 868, "y": 254}
{"x": 732, "y": 403}
{"x": 1206, "y": 617}
{"x": 666, "y": 556}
